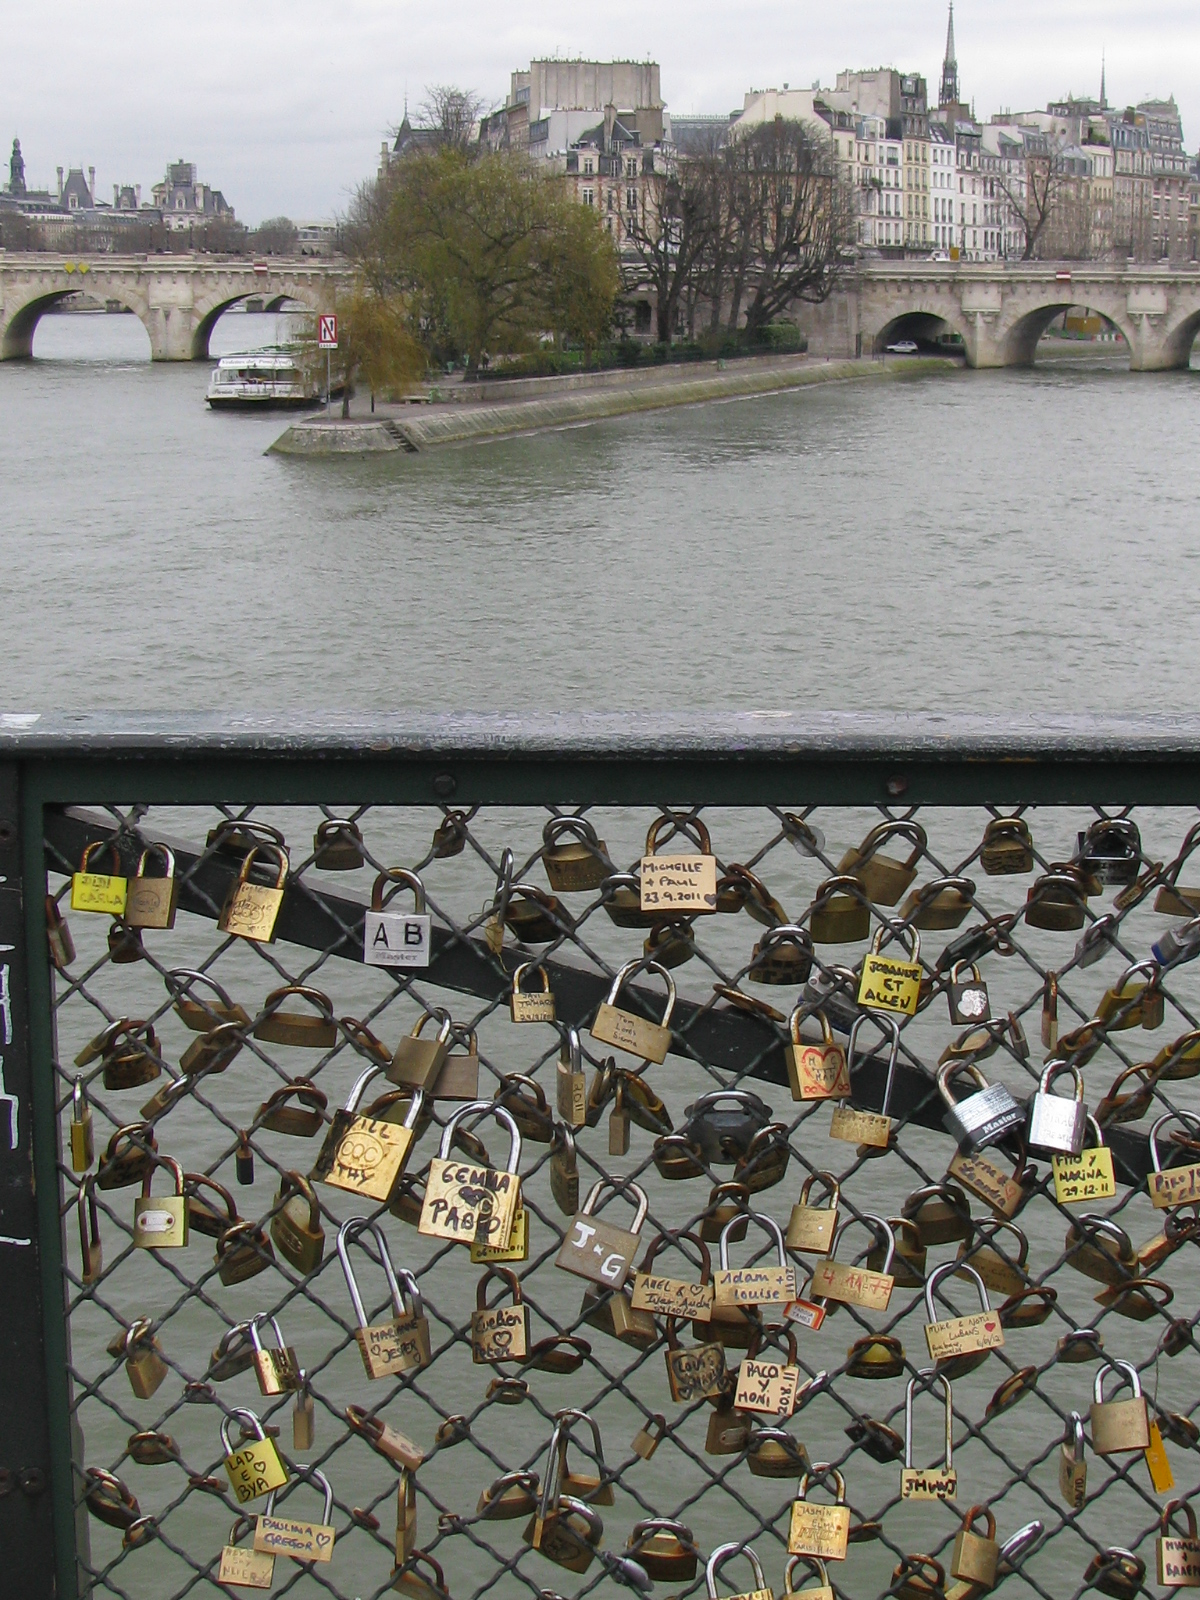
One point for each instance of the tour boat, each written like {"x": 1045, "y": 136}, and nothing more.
{"x": 261, "y": 379}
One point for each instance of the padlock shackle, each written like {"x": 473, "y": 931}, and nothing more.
{"x": 1055, "y": 1069}
{"x": 721, "y": 1555}
{"x": 785, "y": 933}
{"x": 282, "y": 867}
{"x": 1022, "y": 1542}
{"x": 315, "y": 1477}
{"x": 804, "y": 1009}
{"x": 564, "y": 1421}
{"x": 816, "y": 1569}
{"x": 176, "y": 1173}
{"x": 821, "y": 1472}
{"x": 894, "y": 828}
{"x": 929, "y": 1378}
{"x": 574, "y": 1050}
{"x": 181, "y": 991}
{"x": 643, "y": 964}
{"x": 939, "y": 886}
{"x": 530, "y": 966}
{"x": 1183, "y": 1504}
{"x": 302, "y": 991}
{"x": 1073, "y": 1435}
{"x": 392, "y": 880}
{"x": 439, "y": 1015}
{"x": 1125, "y": 1373}
{"x": 157, "y": 850}
{"x": 89, "y": 850}
{"x": 958, "y": 1268}
{"x": 900, "y": 932}
{"x": 681, "y": 822}
{"x": 1188, "y": 1119}
{"x": 628, "y": 1189}
{"x": 674, "y": 1241}
{"x": 766, "y": 1223}
{"x": 255, "y": 1336}
{"x": 244, "y": 1415}
{"x": 887, "y": 1024}
{"x": 351, "y": 1232}
{"x": 480, "y": 1109}
{"x": 987, "y": 1230}
{"x": 830, "y": 1187}
{"x": 506, "y": 1276}
{"x": 578, "y": 826}
{"x": 972, "y": 1515}
{"x": 880, "y": 1227}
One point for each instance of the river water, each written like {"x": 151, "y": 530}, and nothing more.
{"x": 1006, "y": 540}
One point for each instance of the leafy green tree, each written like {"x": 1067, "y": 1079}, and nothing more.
{"x": 375, "y": 346}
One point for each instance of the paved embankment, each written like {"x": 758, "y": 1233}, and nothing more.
{"x": 418, "y": 428}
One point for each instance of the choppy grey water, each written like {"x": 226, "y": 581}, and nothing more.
{"x": 1005, "y": 540}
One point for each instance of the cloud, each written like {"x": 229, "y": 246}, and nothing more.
{"x": 283, "y": 106}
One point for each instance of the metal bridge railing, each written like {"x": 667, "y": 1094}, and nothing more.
{"x": 1047, "y": 868}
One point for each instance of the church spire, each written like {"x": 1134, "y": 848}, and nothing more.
{"x": 949, "y": 90}
{"x": 1103, "y": 87}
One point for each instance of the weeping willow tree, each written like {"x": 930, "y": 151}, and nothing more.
{"x": 376, "y": 346}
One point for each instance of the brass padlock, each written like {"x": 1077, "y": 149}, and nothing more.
{"x": 304, "y": 1542}
{"x": 296, "y": 1224}
{"x": 82, "y": 1133}
{"x": 815, "y": 1071}
{"x": 277, "y": 1370}
{"x": 1050, "y": 1011}
{"x": 595, "y": 1249}
{"x": 649, "y": 1436}
{"x": 299, "y": 1028}
{"x": 254, "y": 1468}
{"x": 693, "y": 1373}
{"x": 161, "y": 1224}
{"x": 417, "y": 1061}
{"x": 664, "y": 1548}
{"x": 406, "y": 1516}
{"x": 766, "y": 1158}
{"x": 670, "y": 943}
{"x": 527, "y": 1006}
{"x": 1119, "y": 1425}
{"x": 1072, "y": 1464}
{"x": 753, "y": 1286}
{"x": 1129, "y": 1004}
{"x": 728, "y": 1430}
{"x": 59, "y": 942}
{"x": 939, "y": 905}
{"x": 152, "y": 902}
{"x": 627, "y": 1031}
{"x": 251, "y": 910}
{"x": 1142, "y": 1301}
{"x": 300, "y": 1121}
{"x": 774, "y": 1453}
{"x": 728, "y": 1202}
{"x": 499, "y": 1333}
{"x": 811, "y": 1227}
{"x": 529, "y": 914}
{"x": 1100, "y": 1248}
{"x": 976, "y": 1555}
{"x": 363, "y": 1154}
{"x": 468, "y": 1201}
{"x": 575, "y": 859}
{"x": 102, "y": 892}
{"x": 672, "y": 884}
{"x": 201, "y": 1016}
{"x": 570, "y": 1082}
{"x": 565, "y": 1529}
{"x": 1172, "y": 899}
{"x": 213, "y": 1051}
{"x": 110, "y": 1500}
{"x": 338, "y": 845}
{"x": 840, "y": 912}
{"x": 243, "y": 1251}
{"x": 725, "y": 1552}
{"x": 892, "y": 984}
{"x": 1002, "y": 1275}
{"x": 525, "y": 1099}
{"x": 233, "y": 1355}
{"x": 128, "y": 1156}
{"x": 1178, "y": 1558}
{"x": 129, "y": 1049}
{"x": 871, "y": 1131}
{"x": 402, "y": 1343}
{"x": 837, "y": 1281}
{"x": 1116, "y": 1572}
{"x": 1057, "y": 901}
{"x": 91, "y": 1253}
{"x": 918, "y": 1577}
{"x": 929, "y": 1483}
{"x": 884, "y": 879}
{"x": 236, "y": 835}
{"x": 820, "y": 1530}
{"x": 941, "y": 1213}
{"x": 144, "y": 1364}
{"x": 783, "y": 956}
{"x": 875, "y": 1356}
{"x": 564, "y": 1170}
{"x": 384, "y": 1439}
{"x": 1007, "y": 847}
{"x": 666, "y": 1296}
{"x": 957, "y": 1344}
{"x": 511, "y": 1495}
{"x": 246, "y": 1569}
{"x": 1181, "y": 1058}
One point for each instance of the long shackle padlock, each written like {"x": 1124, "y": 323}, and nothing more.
{"x": 929, "y": 1483}
{"x": 401, "y": 1344}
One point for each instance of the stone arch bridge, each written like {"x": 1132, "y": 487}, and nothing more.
{"x": 177, "y": 298}
{"x": 1001, "y": 310}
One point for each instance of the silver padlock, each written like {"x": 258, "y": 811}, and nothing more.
{"x": 1097, "y": 939}
{"x": 1057, "y": 1123}
{"x": 983, "y": 1118}
{"x": 1178, "y": 944}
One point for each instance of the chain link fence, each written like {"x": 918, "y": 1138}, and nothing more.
{"x": 234, "y": 1078}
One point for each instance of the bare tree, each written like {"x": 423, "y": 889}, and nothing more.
{"x": 666, "y": 236}
{"x": 451, "y": 114}
{"x": 1035, "y": 202}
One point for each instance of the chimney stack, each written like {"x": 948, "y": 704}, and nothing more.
{"x": 92, "y": 185}
{"x": 59, "y": 171}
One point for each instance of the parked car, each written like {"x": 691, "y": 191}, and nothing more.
{"x": 903, "y": 347}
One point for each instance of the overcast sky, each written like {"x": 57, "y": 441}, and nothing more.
{"x": 283, "y": 105}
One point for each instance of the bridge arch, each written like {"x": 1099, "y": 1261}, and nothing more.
{"x": 19, "y": 329}
{"x": 1178, "y": 341}
{"x": 922, "y": 326}
{"x": 209, "y": 309}
{"x": 1018, "y": 339}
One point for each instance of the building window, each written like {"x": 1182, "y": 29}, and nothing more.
{"x": 589, "y": 197}
{"x": 630, "y": 199}
{"x": 588, "y": 169}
